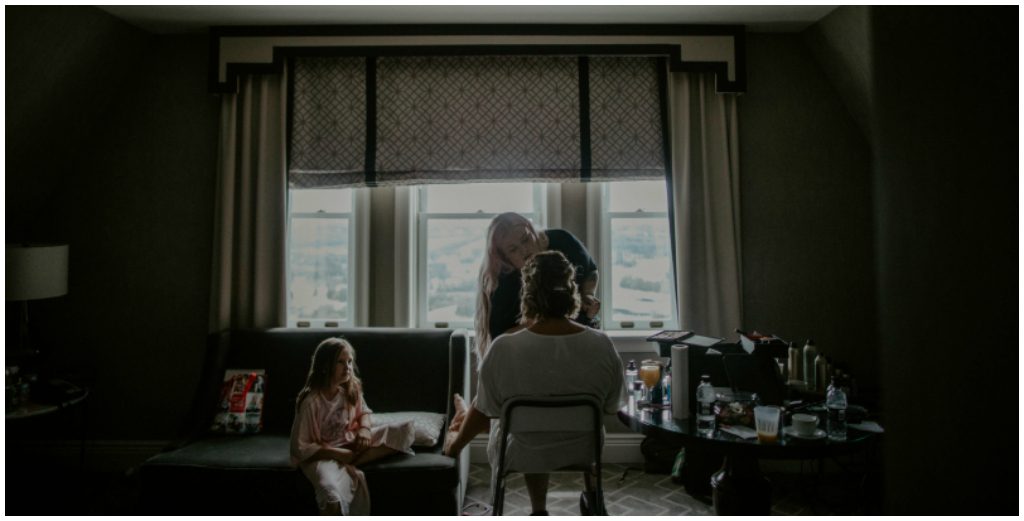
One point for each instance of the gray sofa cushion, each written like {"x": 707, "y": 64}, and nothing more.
{"x": 261, "y": 451}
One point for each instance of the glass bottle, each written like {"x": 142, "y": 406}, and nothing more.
{"x": 835, "y": 402}
{"x": 705, "y": 407}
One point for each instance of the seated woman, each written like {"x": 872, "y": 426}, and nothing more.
{"x": 553, "y": 356}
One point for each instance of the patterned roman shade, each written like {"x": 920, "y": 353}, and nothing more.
{"x": 446, "y": 119}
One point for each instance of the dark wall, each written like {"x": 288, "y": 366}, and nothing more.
{"x": 841, "y": 45}
{"x": 947, "y": 179}
{"x": 112, "y": 147}
{"x": 807, "y": 239}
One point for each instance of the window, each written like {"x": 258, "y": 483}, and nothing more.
{"x": 452, "y": 223}
{"x": 637, "y": 289}
{"x": 320, "y": 269}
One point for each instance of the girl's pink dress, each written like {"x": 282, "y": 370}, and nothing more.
{"x": 336, "y": 423}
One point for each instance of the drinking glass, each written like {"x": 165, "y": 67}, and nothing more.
{"x": 650, "y": 374}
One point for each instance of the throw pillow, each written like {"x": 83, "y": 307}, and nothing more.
{"x": 426, "y": 424}
{"x": 241, "y": 402}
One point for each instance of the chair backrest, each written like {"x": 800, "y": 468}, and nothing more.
{"x": 564, "y": 413}
{"x": 575, "y": 413}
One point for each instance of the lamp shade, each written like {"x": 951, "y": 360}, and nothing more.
{"x": 36, "y": 271}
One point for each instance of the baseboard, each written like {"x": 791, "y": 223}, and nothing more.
{"x": 618, "y": 448}
{"x": 99, "y": 455}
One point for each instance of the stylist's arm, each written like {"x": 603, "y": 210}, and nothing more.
{"x": 589, "y": 303}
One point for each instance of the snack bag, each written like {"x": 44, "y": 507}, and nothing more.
{"x": 241, "y": 402}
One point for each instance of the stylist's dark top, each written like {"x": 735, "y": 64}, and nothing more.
{"x": 505, "y": 299}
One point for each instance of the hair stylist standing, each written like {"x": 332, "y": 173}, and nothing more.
{"x": 511, "y": 241}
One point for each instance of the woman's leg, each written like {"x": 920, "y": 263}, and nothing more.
{"x": 537, "y": 487}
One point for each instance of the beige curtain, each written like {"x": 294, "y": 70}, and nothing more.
{"x": 706, "y": 205}
{"x": 248, "y": 286}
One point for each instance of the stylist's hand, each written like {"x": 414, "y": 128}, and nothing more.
{"x": 591, "y": 305}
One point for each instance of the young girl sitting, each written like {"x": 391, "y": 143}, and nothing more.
{"x": 332, "y": 433}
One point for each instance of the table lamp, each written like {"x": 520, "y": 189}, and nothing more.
{"x": 34, "y": 272}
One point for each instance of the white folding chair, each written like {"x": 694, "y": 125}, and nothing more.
{"x": 577, "y": 413}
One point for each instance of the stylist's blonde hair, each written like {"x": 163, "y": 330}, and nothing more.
{"x": 493, "y": 266}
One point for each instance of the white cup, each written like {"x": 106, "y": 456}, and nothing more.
{"x": 804, "y": 424}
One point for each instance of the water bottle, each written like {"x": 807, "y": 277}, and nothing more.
{"x": 835, "y": 402}
{"x": 638, "y": 390}
{"x": 666, "y": 384}
{"x": 705, "y": 407}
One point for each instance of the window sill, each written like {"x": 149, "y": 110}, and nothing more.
{"x": 631, "y": 333}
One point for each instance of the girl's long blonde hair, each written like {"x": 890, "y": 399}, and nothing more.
{"x": 492, "y": 267}
{"x": 322, "y": 368}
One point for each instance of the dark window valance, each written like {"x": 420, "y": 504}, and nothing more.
{"x": 440, "y": 119}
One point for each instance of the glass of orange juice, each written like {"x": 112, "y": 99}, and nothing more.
{"x": 650, "y": 374}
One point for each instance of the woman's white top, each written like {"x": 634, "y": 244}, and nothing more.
{"x": 529, "y": 364}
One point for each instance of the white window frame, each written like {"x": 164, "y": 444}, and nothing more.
{"x": 358, "y": 262}
{"x": 418, "y": 284}
{"x": 599, "y": 232}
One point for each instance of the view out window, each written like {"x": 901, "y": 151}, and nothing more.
{"x": 637, "y": 287}
{"x": 452, "y": 221}
{"x": 320, "y": 228}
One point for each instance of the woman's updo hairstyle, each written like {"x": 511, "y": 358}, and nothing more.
{"x": 549, "y": 287}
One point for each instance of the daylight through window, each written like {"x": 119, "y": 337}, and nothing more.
{"x": 319, "y": 268}
{"x": 453, "y": 221}
{"x": 637, "y": 287}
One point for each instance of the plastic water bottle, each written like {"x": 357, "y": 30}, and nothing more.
{"x": 666, "y": 383}
{"x": 835, "y": 402}
{"x": 705, "y": 406}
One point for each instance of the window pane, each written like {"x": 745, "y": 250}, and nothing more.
{"x": 486, "y": 197}
{"x": 338, "y": 200}
{"x": 318, "y": 269}
{"x": 455, "y": 248}
{"x": 648, "y": 196}
{"x": 641, "y": 272}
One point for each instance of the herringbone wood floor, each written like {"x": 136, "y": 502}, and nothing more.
{"x": 640, "y": 494}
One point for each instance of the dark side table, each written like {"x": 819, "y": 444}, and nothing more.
{"x": 33, "y": 409}
{"x": 738, "y": 488}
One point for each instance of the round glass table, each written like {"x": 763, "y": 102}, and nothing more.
{"x": 738, "y": 488}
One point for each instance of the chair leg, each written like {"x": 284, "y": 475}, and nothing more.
{"x": 599, "y": 509}
{"x": 498, "y": 498}
{"x": 594, "y": 495}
